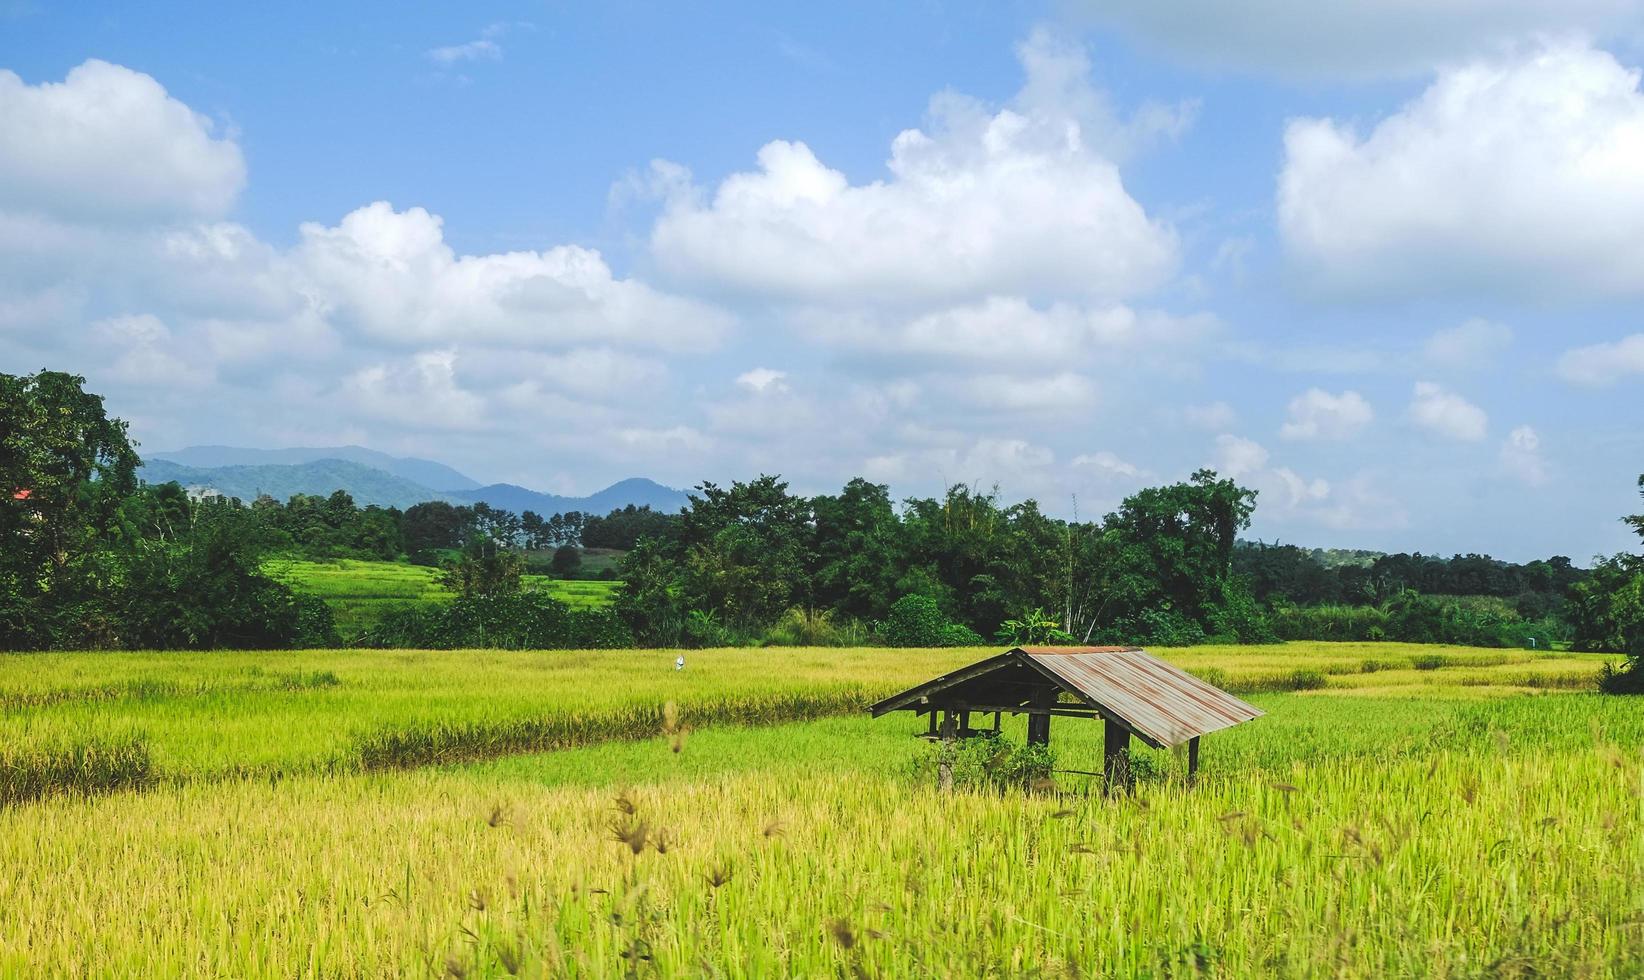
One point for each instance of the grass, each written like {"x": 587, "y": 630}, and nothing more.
{"x": 207, "y": 715}
{"x": 361, "y": 593}
{"x": 1464, "y": 820}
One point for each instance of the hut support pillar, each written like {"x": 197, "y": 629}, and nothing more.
{"x": 1116, "y": 757}
{"x": 944, "y": 763}
{"x": 1038, "y": 726}
{"x": 1193, "y": 757}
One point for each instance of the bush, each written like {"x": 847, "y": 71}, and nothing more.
{"x": 1306, "y": 679}
{"x": 986, "y": 762}
{"x": 815, "y": 628}
{"x": 917, "y": 621}
{"x": 1429, "y": 661}
{"x": 520, "y": 621}
{"x": 1627, "y": 679}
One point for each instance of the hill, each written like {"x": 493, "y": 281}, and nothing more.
{"x": 246, "y": 473}
{"x": 423, "y": 472}
{"x": 637, "y": 491}
{"x": 280, "y": 480}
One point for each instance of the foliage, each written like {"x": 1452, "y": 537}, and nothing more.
{"x": 985, "y": 762}
{"x": 567, "y": 559}
{"x": 484, "y": 568}
{"x": 501, "y": 620}
{"x": 1032, "y": 628}
{"x": 917, "y": 621}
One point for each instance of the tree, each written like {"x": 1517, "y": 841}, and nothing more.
{"x": 485, "y": 567}
{"x": 434, "y": 525}
{"x": 67, "y": 471}
{"x": 567, "y": 559}
{"x": 1607, "y": 611}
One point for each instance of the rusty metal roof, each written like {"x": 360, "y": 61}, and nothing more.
{"x": 1161, "y": 704}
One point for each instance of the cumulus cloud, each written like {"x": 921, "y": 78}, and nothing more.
{"x": 1317, "y": 414}
{"x": 1469, "y": 345}
{"x": 1018, "y": 201}
{"x": 390, "y": 274}
{"x": 422, "y": 391}
{"x": 1521, "y": 456}
{"x": 1006, "y": 330}
{"x": 1212, "y": 415}
{"x": 1445, "y": 413}
{"x": 1237, "y": 456}
{"x": 1516, "y": 174}
{"x": 107, "y": 144}
{"x": 1352, "y": 38}
{"x": 1599, "y": 365}
{"x": 763, "y": 379}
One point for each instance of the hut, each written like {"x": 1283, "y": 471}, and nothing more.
{"x": 1133, "y": 693}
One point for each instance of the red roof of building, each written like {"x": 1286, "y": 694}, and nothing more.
{"x": 22, "y": 495}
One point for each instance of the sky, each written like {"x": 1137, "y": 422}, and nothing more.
{"x": 1382, "y": 262}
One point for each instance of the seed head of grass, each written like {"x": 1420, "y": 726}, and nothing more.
{"x": 632, "y": 833}
{"x": 840, "y": 930}
{"x": 718, "y": 876}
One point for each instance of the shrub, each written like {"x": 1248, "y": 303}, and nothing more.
{"x": 520, "y": 621}
{"x": 986, "y": 762}
{"x": 1429, "y": 661}
{"x": 1306, "y": 679}
{"x": 1627, "y": 679}
{"x": 917, "y": 621}
{"x": 815, "y": 628}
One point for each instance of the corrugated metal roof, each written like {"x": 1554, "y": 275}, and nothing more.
{"x": 1162, "y": 704}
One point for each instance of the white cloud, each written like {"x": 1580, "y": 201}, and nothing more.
{"x": 146, "y": 354}
{"x": 1470, "y": 345}
{"x": 482, "y": 49}
{"x": 1353, "y": 38}
{"x": 1014, "y": 202}
{"x": 1317, "y": 414}
{"x": 107, "y": 144}
{"x": 420, "y": 392}
{"x": 1237, "y": 456}
{"x": 1002, "y": 330}
{"x": 1107, "y": 465}
{"x": 1518, "y": 174}
{"x": 1056, "y": 393}
{"x": 1446, "y": 413}
{"x": 1521, "y": 456}
{"x": 390, "y": 274}
{"x": 1599, "y": 365}
{"x": 763, "y": 379}
{"x": 643, "y": 440}
{"x": 1214, "y": 415}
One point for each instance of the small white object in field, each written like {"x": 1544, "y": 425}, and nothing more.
{"x": 680, "y": 663}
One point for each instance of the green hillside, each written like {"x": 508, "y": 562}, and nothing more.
{"x": 361, "y": 593}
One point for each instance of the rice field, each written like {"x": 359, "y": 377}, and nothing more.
{"x": 361, "y": 593}
{"x": 1480, "y": 815}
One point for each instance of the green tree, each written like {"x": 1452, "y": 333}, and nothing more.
{"x": 566, "y": 561}
{"x": 67, "y": 471}
{"x": 484, "y": 568}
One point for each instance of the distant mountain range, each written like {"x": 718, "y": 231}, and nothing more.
{"x": 371, "y": 477}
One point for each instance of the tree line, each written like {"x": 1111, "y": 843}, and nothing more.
{"x": 93, "y": 558}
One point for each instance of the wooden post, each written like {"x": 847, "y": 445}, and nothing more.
{"x": 1193, "y": 758}
{"x": 996, "y": 716}
{"x": 944, "y": 763}
{"x": 964, "y": 721}
{"x": 1116, "y": 757}
{"x": 1038, "y": 732}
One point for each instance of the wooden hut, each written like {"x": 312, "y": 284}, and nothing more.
{"x": 1131, "y": 691}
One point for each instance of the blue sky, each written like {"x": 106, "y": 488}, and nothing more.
{"x": 1384, "y": 265}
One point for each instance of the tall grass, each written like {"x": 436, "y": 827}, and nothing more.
{"x": 82, "y": 768}
{"x": 1493, "y": 861}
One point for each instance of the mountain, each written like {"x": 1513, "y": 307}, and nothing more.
{"x": 281, "y": 480}
{"x": 246, "y": 473}
{"x": 423, "y": 472}
{"x": 637, "y": 491}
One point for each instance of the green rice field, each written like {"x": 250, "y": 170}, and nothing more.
{"x": 1400, "y": 811}
{"x": 360, "y": 593}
